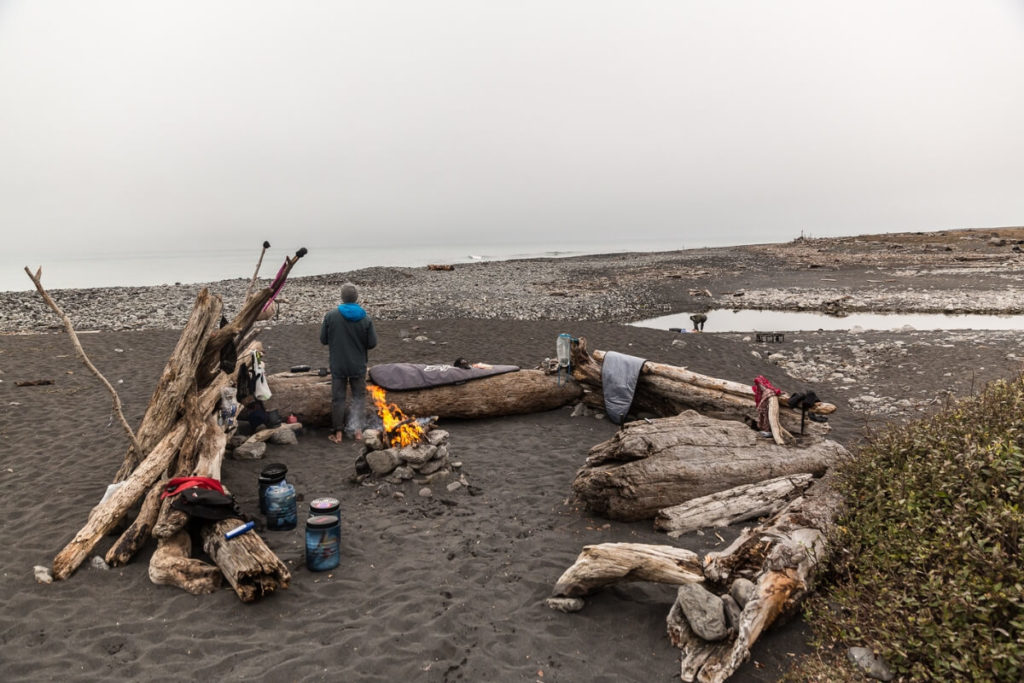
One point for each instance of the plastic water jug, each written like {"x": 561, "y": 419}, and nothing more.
{"x": 281, "y": 512}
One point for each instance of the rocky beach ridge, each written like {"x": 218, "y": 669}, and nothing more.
{"x": 968, "y": 271}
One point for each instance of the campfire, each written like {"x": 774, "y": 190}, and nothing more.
{"x": 397, "y": 429}
{"x": 404, "y": 446}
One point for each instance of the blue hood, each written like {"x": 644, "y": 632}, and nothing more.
{"x": 351, "y": 312}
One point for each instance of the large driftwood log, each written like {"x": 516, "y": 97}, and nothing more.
{"x": 714, "y": 383}
{"x": 782, "y": 557}
{"x": 171, "y": 565}
{"x": 607, "y": 563}
{"x": 734, "y": 505}
{"x": 177, "y": 378}
{"x": 308, "y": 396}
{"x": 654, "y": 464}
{"x": 663, "y": 390}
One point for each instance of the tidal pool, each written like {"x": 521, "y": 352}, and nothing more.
{"x": 746, "y": 320}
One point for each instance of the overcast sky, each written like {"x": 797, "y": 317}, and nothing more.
{"x": 431, "y": 121}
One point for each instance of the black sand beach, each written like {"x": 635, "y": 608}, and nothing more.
{"x": 449, "y": 587}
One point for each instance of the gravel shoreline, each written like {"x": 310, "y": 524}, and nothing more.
{"x": 968, "y": 271}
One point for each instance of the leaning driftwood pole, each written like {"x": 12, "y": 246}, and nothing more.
{"x": 37, "y": 281}
{"x": 256, "y": 274}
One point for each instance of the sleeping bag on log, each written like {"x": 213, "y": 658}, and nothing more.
{"x": 406, "y": 376}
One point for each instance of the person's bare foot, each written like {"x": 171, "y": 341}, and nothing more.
{"x": 358, "y": 435}
{"x": 336, "y": 437}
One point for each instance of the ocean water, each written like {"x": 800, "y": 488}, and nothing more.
{"x": 184, "y": 266}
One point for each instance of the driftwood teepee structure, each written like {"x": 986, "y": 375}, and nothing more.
{"x": 180, "y": 436}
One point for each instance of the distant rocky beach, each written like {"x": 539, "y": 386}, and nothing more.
{"x": 970, "y": 271}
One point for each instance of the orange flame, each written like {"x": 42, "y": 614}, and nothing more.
{"x": 399, "y": 430}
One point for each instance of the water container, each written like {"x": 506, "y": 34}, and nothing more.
{"x": 281, "y": 512}
{"x": 323, "y": 542}
{"x": 272, "y": 474}
{"x": 562, "y": 350}
{"x": 325, "y": 506}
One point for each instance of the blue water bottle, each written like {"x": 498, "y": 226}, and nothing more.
{"x": 280, "y": 501}
{"x": 323, "y": 542}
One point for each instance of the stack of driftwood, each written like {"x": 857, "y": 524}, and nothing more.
{"x": 697, "y": 464}
{"x": 180, "y": 436}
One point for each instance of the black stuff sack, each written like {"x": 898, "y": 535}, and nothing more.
{"x": 206, "y": 504}
{"x": 804, "y": 401}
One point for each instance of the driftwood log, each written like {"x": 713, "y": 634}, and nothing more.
{"x": 176, "y": 379}
{"x": 600, "y": 565}
{"x": 172, "y": 565}
{"x": 782, "y": 558}
{"x": 763, "y": 574}
{"x": 665, "y": 390}
{"x": 252, "y": 569}
{"x": 654, "y": 464}
{"x": 732, "y": 506}
{"x": 308, "y": 396}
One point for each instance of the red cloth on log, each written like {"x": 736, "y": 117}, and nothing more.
{"x": 179, "y": 484}
{"x": 761, "y": 383}
{"x": 762, "y": 390}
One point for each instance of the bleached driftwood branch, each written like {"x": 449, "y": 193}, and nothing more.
{"x": 37, "y": 278}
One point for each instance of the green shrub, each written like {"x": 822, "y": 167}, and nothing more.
{"x": 928, "y": 570}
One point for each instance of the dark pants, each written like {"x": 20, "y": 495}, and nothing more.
{"x": 357, "y": 407}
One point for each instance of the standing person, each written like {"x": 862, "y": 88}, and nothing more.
{"x": 348, "y": 334}
{"x": 698, "y": 320}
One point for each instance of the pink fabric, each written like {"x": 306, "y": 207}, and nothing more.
{"x": 276, "y": 286}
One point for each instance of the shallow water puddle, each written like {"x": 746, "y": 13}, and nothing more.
{"x": 726, "y": 320}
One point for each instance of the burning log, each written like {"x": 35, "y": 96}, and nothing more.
{"x": 308, "y": 396}
{"x": 654, "y": 464}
